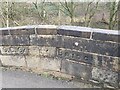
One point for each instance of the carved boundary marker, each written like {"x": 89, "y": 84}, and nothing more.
{"x": 87, "y": 53}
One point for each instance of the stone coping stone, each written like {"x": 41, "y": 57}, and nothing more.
{"x": 88, "y": 29}
{"x": 29, "y": 27}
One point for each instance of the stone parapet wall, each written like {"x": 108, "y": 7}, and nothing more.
{"x": 92, "y": 55}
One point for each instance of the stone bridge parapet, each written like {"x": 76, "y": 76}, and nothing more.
{"x": 89, "y": 54}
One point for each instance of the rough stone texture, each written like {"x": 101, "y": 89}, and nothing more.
{"x": 13, "y": 60}
{"x": 106, "y": 37}
{"x": 119, "y": 79}
{"x": 0, "y": 40}
{"x": 0, "y": 63}
{"x": 75, "y": 55}
{"x": 76, "y": 69}
{"x": 43, "y": 63}
{"x": 46, "y": 40}
{"x": 105, "y": 48}
{"x": 47, "y": 51}
{"x": 50, "y": 64}
{"x": 105, "y": 76}
{"x": 15, "y": 40}
{"x": 45, "y": 31}
{"x": 73, "y": 33}
{"x": 4, "y": 32}
{"x": 34, "y": 50}
{"x": 99, "y": 47}
{"x": 82, "y": 52}
{"x": 22, "y": 31}
{"x": 14, "y": 50}
{"x": 42, "y": 51}
{"x": 106, "y": 62}
{"x": 33, "y": 61}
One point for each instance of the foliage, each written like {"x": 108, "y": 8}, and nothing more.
{"x": 89, "y": 14}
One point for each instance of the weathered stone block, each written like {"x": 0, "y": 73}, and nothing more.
{"x": 47, "y": 51}
{"x": 6, "y": 40}
{"x": 102, "y": 75}
{"x": 43, "y": 63}
{"x": 104, "y": 48}
{"x": 50, "y": 64}
{"x": 13, "y": 60}
{"x": 0, "y": 40}
{"x": 45, "y": 31}
{"x": 73, "y": 33}
{"x": 40, "y": 40}
{"x": 33, "y": 61}
{"x": 34, "y": 50}
{"x": 46, "y": 40}
{"x": 106, "y": 62}
{"x": 15, "y": 40}
{"x": 14, "y": 50}
{"x": 119, "y": 79}
{"x": 77, "y": 43}
{"x": 22, "y": 31}
{"x": 106, "y": 37}
{"x": 76, "y": 69}
{"x": 0, "y": 63}
{"x": 42, "y": 51}
{"x": 4, "y": 32}
{"x": 33, "y": 40}
{"x": 21, "y": 40}
{"x": 75, "y": 55}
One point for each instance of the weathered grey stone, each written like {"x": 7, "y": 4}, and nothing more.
{"x": 34, "y": 50}
{"x": 106, "y": 37}
{"x": 42, "y": 51}
{"x": 105, "y": 76}
{"x": 76, "y": 69}
{"x": 0, "y": 63}
{"x": 75, "y": 55}
{"x": 50, "y": 64}
{"x": 33, "y": 61}
{"x": 43, "y": 63}
{"x": 0, "y": 40}
{"x": 15, "y": 40}
{"x": 47, "y": 51}
{"x": 73, "y": 33}
{"x": 22, "y": 31}
{"x": 4, "y": 32}
{"x": 105, "y": 48}
{"x": 102, "y": 51}
{"x": 13, "y": 60}
{"x": 14, "y": 50}
{"x": 46, "y": 40}
{"x": 111, "y": 63}
{"x": 6, "y": 40}
{"x": 99, "y": 47}
{"x": 46, "y": 31}
{"x": 119, "y": 79}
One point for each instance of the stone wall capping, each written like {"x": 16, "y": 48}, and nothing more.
{"x": 88, "y": 29}
{"x": 65, "y": 27}
{"x": 46, "y": 26}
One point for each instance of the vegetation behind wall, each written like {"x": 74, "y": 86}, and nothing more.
{"x": 88, "y": 14}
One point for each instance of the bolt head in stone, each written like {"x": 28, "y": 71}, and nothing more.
{"x": 76, "y": 43}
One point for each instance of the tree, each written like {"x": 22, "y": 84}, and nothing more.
{"x": 9, "y": 14}
{"x": 113, "y": 14}
{"x": 41, "y": 10}
{"x": 90, "y": 12}
{"x": 68, "y": 8}
{"x": 118, "y": 13}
